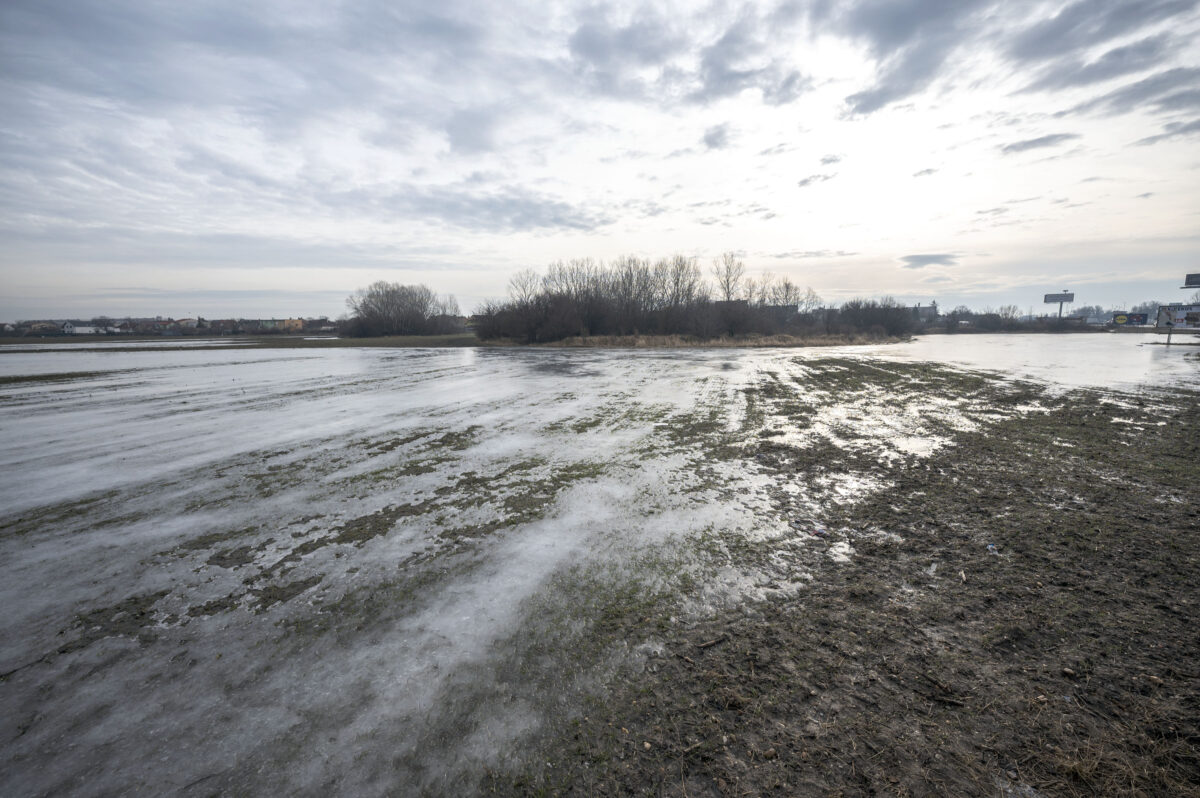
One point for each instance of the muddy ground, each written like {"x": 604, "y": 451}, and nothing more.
{"x": 1017, "y": 617}
{"x": 538, "y": 572}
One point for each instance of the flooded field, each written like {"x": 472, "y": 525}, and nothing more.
{"x": 372, "y": 571}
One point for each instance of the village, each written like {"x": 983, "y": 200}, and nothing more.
{"x": 166, "y": 326}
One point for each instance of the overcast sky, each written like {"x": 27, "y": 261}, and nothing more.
{"x": 267, "y": 158}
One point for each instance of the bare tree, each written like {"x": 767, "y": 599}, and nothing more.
{"x": 788, "y": 293}
{"x": 524, "y": 286}
{"x": 810, "y": 301}
{"x": 385, "y": 308}
{"x": 728, "y": 272}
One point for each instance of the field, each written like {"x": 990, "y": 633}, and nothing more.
{"x": 451, "y": 571}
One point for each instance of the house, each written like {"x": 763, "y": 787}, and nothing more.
{"x": 925, "y": 314}
{"x": 71, "y": 328}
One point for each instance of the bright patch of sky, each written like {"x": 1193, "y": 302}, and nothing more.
{"x": 260, "y": 159}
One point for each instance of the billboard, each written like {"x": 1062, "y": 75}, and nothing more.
{"x": 1052, "y": 298}
{"x": 1129, "y": 319}
{"x": 1191, "y": 281}
{"x": 1178, "y": 317}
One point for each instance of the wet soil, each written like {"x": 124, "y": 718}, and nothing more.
{"x": 1017, "y": 616}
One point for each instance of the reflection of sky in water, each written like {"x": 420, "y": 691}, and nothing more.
{"x": 1126, "y": 361}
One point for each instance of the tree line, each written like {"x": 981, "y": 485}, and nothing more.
{"x": 672, "y": 296}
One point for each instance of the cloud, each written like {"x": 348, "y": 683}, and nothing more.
{"x": 735, "y": 62}
{"x": 646, "y": 41}
{"x": 1052, "y": 140}
{"x": 912, "y": 41}
{"x": 814, "y": 179}
{"x": 909, "y": 39}
{"x": 808, "y": 254}
{"x": 935, "y": 259}
{"x": 717, "y": 137}
{"x": 1171, "y": 90}
{"x": 779, "y": 149}
{"x": 925, "y": 173}
{"x": 1137, "y": 57}
{"x": 831, "y": 159}
{"x": 1146, "y": 195}
{"x": 650, "y": 58}
{"x": 504, "y": 210}
{"x": 1088, "y": 23}
{"x": 472, "y": 130}
{"x": 1173, "y": 130}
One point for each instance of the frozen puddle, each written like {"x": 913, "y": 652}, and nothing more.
{"x": 332, "y": 571}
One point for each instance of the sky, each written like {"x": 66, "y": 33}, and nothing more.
{"x": 268, "y": 158}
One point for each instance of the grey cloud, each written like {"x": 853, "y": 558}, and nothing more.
{"x": 1170, "y": 90}
{"x": 717, "y": 137}
{"x": 610, "y": 57}
{"x": 924, "y": 173}
{"x": 1173, "y": 130}
{"x": 910, "y": 39}
{"x": 230, "y": 54}
{"x": 814, "y": 179}
{"x": 831, "y": 159}
{"x": 992, "y": 211}
{"x": 507, "y": 209}
{"x": 646, "y": 42}
{"x": 1137, "y": 57}
{"x": 1052, "y": 140}
{"x": 472, "y": 130}
{"x": 607, "y": 56}
{"x": 726, "y": 67}
{"x": 808, "y": 254}
{"x": 122, "y": 245}
{"x": 205, "y": 162}
{"x": 779, "y": 149}
{"x": 1088, "y": 23}
{"x": 932, "y": 259}
{"x": 1146, "y": 195}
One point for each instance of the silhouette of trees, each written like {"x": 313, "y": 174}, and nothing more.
{"x": 385, "y": 308}
{"x": 669, "y": 296}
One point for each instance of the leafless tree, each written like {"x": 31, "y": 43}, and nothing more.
{"x": 728, "y": 272}
{"x": 810, "y": 301}
{"x": 385, "y": 308}
{"x": 524, "y": 286}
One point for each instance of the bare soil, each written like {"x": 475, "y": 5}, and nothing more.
{"x": 1019, "y": 618}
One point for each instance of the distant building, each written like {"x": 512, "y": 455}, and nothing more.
{"x": 926, "y": 314}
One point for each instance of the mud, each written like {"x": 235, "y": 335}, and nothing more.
{"x": 1017, "y": 617}
{"x": 548, "y": 572}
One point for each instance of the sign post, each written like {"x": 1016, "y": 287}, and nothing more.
{"x": 1065, "y": 296}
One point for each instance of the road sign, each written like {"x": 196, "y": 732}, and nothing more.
{"x": 1053, "y": 298}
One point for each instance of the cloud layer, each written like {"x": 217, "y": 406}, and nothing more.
{"x": 336, "y": 137}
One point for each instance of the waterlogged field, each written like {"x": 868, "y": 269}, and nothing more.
{"x": 371, "y": 571}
